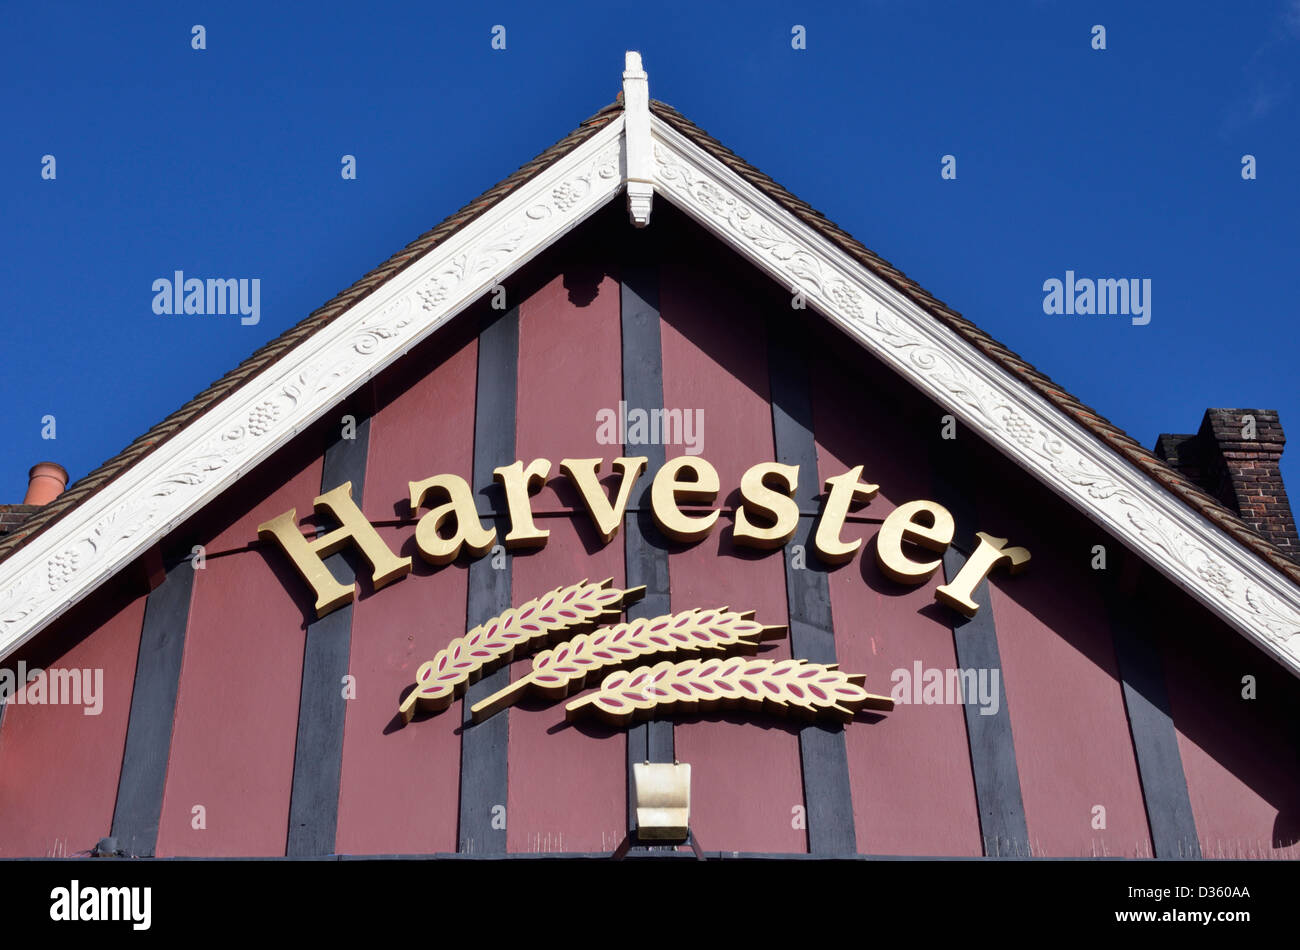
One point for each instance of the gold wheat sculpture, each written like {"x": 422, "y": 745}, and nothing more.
{"x": 790, "y": 687}
{"x": 544, "y": 619}
{"x": 566, "y": 668}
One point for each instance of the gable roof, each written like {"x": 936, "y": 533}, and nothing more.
{"x": 118, "y": 510}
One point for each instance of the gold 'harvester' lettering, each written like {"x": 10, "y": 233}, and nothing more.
{"x": 682, "y": 498}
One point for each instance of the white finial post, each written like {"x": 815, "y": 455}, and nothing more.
{"x": 636, "y": 138}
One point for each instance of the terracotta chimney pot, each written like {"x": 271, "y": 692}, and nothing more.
{"x": 45, "y": 482}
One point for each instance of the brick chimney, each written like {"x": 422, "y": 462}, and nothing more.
{"x": 1236, "y": 457}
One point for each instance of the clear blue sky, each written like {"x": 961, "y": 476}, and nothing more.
{"x": 225, "y": 162}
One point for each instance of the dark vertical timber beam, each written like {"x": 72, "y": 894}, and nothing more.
{"x": 153, "y": 710}
{"x": 992, "y": 751}
{"x": 1155, "y": 742}
{"x": 484, "y": 747}
{"x": 828, "y": 800}
{"x": 318, "y": 755}
{"x": 645, "y": 552}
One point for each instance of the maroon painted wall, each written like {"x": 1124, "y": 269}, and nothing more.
{"x": 910, "y": 773}
{"x": 746, "y": 780}
{"x": 237, "y": 703}
{"x": 58, "y": 766}
{"x": 1064, "y": 692}
{"x": 567, "y": 785}
{"x": 1239, "y": 753}
{"x": 399, "y": 788}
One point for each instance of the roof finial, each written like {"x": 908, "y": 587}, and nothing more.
{"x": 636, "y": 138}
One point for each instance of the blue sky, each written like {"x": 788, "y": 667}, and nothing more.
{"x": 225, "y": 162}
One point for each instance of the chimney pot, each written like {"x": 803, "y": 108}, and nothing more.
{"x": 45, "y": 482}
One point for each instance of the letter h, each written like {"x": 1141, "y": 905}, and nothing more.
{"x": 309, "y": 556}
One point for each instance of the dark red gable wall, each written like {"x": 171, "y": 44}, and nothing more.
{"x": 1074, "y": 750}
{"x": 567, "y": 784}
{"x": 1068, "y": 720}
{"x": 910, "y": 772}
{"x": 399, "y": 787}
{"x": 1240, "y": 754}
{"x": 59, "y": 767}
{"x": 746, "y": 779}
{"x": 236, "y": 719}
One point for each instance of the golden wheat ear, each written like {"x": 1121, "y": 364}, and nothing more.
{"x": 565, "y": 669}
{"x": 554, "y": 615}
{"x": 790, "y": 687}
